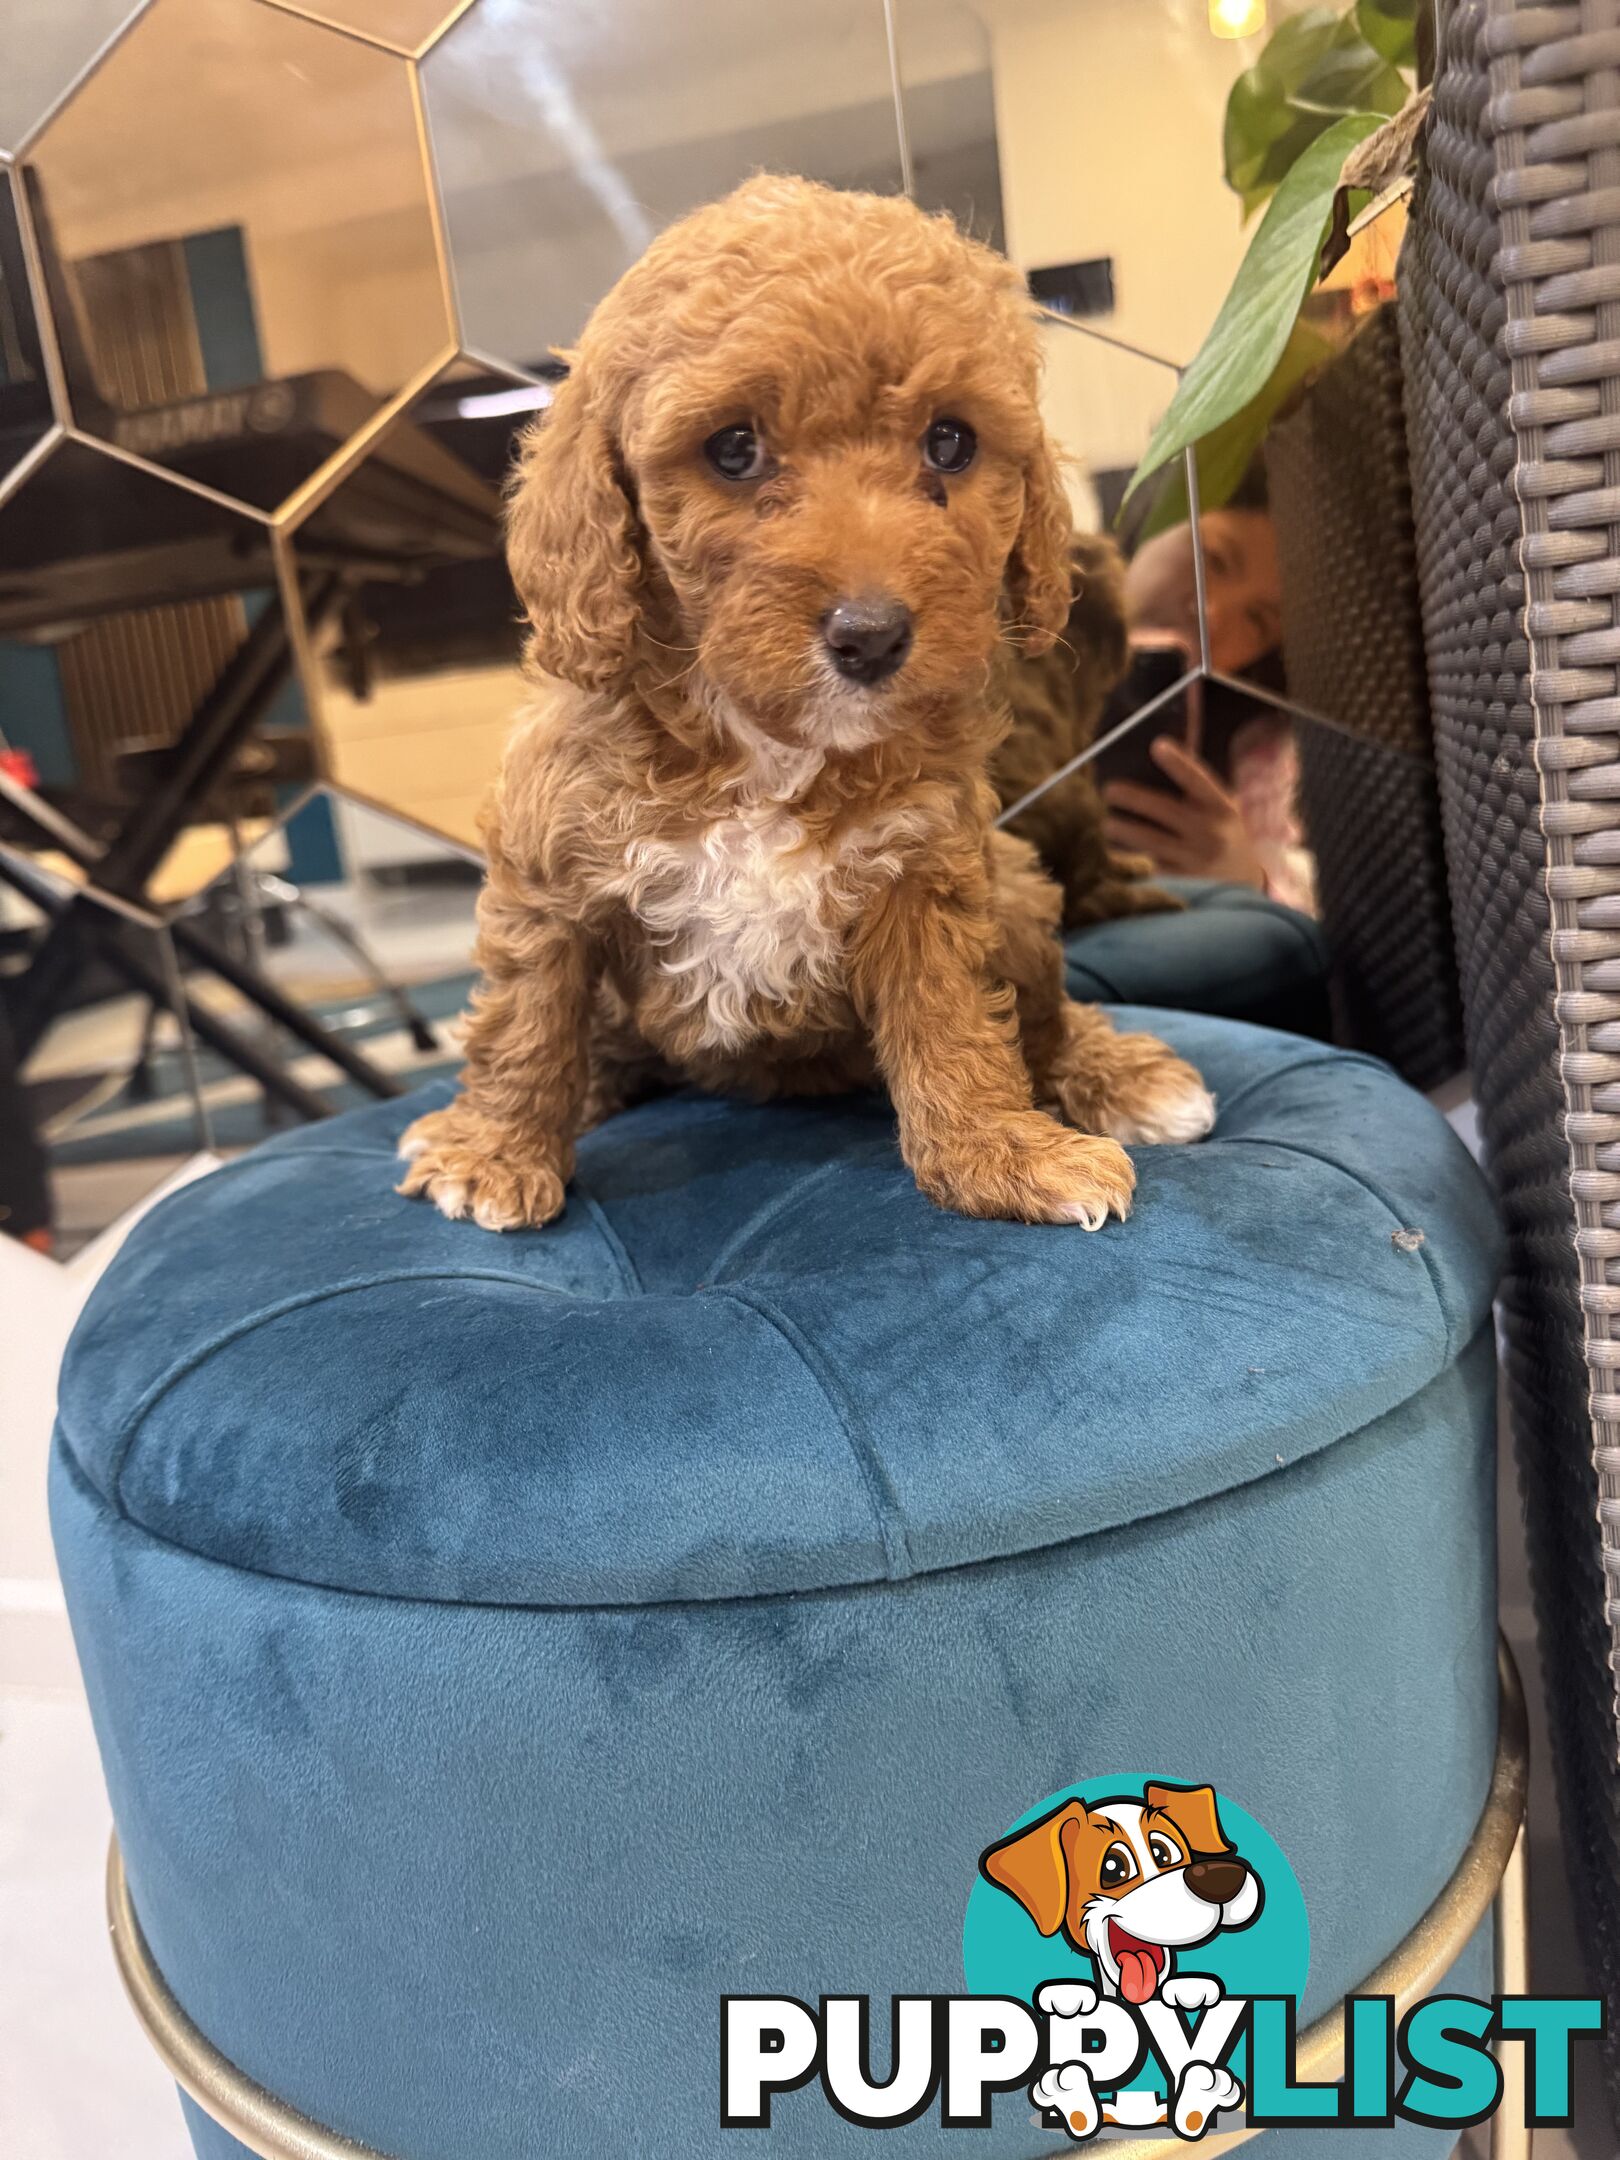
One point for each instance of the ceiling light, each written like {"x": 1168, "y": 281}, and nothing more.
{"x": 1237, "y": 18}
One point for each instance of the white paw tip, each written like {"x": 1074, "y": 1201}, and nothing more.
{"x": 411, "y": 1145}
{"x": 1203, "y": 2092}
{"x": 1200, "y": 1113}
{"x": 450, "y": 1198}
{"x": 1067, "y": 2087}
{"x": 1185, "y": 1117}
{"x": 489, "y": 1217}
{"x": 1066, "y": 1998}
{"x": 1191, "y": 1991}
{"x": 1178, "y": 1119}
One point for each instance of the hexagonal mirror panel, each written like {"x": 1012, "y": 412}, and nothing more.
{"x": 416, "y": 678}
{"x": 25, "y": 398}
{"x": 565, "y": 138}
{"x": 48, "y": 45}
{"x": 140, "y": 621}
{"x": 235, "y": 218}
{"x": 353, "y": 932}
{"x": 402, "y": 25}
{"x": 945, "y": 55}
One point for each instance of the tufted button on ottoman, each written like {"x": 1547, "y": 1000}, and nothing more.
{"x": 503, "y": 1647}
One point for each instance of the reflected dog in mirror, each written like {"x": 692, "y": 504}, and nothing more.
{"x": 1056, "y": 699}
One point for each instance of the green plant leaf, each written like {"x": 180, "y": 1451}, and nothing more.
{"x": 1316, "y": 66}
{"x": 1260, "y": 117}
{"x": 1225, "y": 454}
{"x": 1280, "y": 158}
{"x": 1257, "y": 315}
{"x": 1351, "y": 78}
{"x": 1390, "y": 28}
{"x": 1296, "y": 45}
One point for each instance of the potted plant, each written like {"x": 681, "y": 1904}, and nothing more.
{"x": 1325, "y": 120}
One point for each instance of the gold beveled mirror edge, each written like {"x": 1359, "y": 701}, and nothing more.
{"x": 276, "y": 2131}
{"x": 335, "y": 469}
{"x": 306, "y": 658}
{"x": 19, "y": 150}
{"x": 311, "y": 11}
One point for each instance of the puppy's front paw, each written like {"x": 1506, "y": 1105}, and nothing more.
{"x": 1132, "y": 1087}
{"x": 1067, "y": 2089}
{"x": 1190, "y": 1991}
{"x": 1028, "y": 1168}
{"x": 1205, "y": 2090}
{"x": 1165, "y": 1099}
{"x": 468, "y": 1166}
{"x": 1066, "y": 1999}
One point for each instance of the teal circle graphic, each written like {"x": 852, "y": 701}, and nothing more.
{"x": 1005, "y": 1953}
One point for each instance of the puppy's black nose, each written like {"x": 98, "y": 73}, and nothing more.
{"x": 867, "y": 638}
{"x": 1217, "y": 1882}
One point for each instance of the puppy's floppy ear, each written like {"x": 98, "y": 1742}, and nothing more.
{"x": 571, "y": 541}
{"x": 1038, "y": 579}
{"x": 1192, "y": 1809}
{"x": 1033, "y": 1866}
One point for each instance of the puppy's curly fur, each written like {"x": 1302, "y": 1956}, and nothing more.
{"x": 1056, "y": 699}
{"x": 716, "y": 858}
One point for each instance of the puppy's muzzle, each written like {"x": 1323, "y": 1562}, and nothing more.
{"x": 1217, "y": 1882}
{"x": 867, "y": 638}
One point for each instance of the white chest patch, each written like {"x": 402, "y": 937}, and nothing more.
{"x": 747, "y": 911}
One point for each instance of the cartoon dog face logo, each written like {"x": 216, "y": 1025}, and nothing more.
{"x": 1129, "y": 1881}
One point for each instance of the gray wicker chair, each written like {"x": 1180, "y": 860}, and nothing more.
{"x": 1510, "y": 303}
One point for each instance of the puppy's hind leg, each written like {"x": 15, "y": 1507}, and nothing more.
{"x": 1129, "y": 1087}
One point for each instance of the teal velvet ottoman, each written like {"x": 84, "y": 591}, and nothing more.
{"x": 502, "y": 1648}
{"x": 1227, "y": 950}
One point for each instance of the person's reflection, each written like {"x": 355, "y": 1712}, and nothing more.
{"x": 1245, "y": 590}
{"x": 1227, "y": 809}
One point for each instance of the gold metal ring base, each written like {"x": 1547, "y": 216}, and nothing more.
{"x": 1491, "y": 1871}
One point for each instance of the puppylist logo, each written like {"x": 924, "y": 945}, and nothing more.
{"x": 1135, "y": 1951}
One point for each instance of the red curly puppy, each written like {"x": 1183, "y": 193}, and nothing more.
{"x": 791, "y": 499}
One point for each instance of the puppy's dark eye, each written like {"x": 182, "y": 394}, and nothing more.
{"x": 1117, "y": 1867}
{"x": 736, "y": 453}
{"x": 1164, "y": 1853}
{"x": 949, "y": 446}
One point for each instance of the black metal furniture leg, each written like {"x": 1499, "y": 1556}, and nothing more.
{"x": 246, "y": 686}
{"x": 274, "y": 1003}
{"x": 116, "y": 942}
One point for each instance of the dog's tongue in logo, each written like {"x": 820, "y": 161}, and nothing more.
{"x": 1139, "y": 1964}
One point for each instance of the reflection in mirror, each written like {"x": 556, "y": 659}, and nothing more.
{"x": 88, "y": 536}
{"x": 944, "y": 52}
{"x": 403, "y": 25}
{"x": 1300, "y": 764}
{"x": 48, "y": 43}
{"x": 25, "y": 399}
{"x": 1128, "y": 174}
{"x": 1340, "y": 501}
{"x": 565, "y": 138}
{"x": 129, "y": 609}
{"x": 416, "y": 677}
{"x": 103, "y": 1112}
{"x": 235, "y": 218}
{"x": 361, "y": 925}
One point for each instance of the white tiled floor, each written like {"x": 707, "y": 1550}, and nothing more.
{"x": 76, "y": 2080}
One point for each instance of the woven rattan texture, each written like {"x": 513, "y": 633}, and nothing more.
{"x": 1508, "y": 285}
{"x": 1353, "y": 641}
